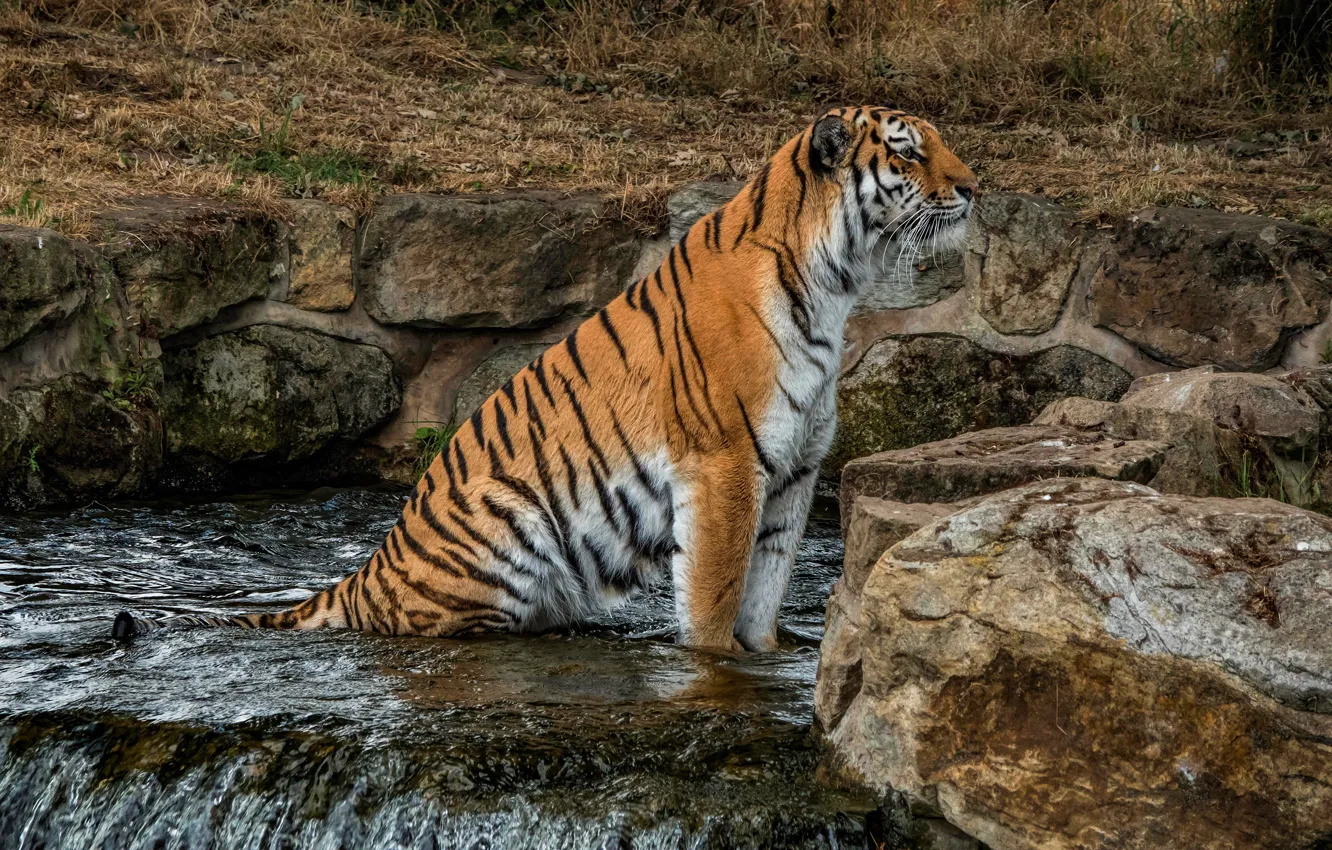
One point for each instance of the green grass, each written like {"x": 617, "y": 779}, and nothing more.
{"x": 302, "y": 171}
{"x": 29, "y": 210}
{"x": 430, "y": 441}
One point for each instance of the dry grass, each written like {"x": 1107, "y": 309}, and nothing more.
{"x": 1106, "y": 104}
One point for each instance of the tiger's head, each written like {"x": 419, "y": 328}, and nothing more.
{"x": 898, "y": 180}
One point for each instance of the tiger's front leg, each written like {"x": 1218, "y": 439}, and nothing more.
{"x": 785, "y": 511}
{"x": 714, "y": 520}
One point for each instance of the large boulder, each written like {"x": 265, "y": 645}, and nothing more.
{"x": 1087, "y": 663}
{"x": 273, "y": 394}
{"x": 182, "y": 261}
{"x": 44, "y": 278}
{"x": 689, "y": 203}
{"x": 1193, "y": 287}
{"x": 78, "y": 438}
{"x": 506, "y": 261}
{"x": 908, "y": 391}
{"x": 1021, "y": 260}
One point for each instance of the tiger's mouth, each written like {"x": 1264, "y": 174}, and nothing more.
{"x": 924, "y": 234}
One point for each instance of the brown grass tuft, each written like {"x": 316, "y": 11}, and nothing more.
{"x": 1106, "y": 104}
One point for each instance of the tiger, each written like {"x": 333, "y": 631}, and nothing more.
{"x": 678, "y": 430}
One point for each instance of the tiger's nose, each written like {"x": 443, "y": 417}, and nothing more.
{"x": 967, "y": 191}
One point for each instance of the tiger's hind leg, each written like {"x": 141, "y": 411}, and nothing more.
{"x": 715, "y": 523}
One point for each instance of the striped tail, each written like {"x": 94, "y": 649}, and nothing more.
{"x": 324, "y": 609}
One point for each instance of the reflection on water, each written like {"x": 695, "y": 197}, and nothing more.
{"x": 610, "y": 736}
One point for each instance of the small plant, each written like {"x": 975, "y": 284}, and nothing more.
{"x": 131, "y": 386}
{"x": 1326, "y": 357}
{"x": 29, "y": 210}
{"x": 32, "y": 460}
{"x": 302, "y": 172}
{"x": 430, "y": 440}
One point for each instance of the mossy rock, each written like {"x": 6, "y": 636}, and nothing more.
{"x": 272, "y": 393}
{"x": 915, "y": 390}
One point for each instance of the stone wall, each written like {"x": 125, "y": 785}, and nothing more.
{"x": 202, "y": 346}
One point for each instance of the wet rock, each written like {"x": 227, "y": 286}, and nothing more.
{"x": 1021, "y": 260}
{"x": 320, "y": 239}
{"x": 272, "y": 393}
{"x": 872, "y": 526}
{"x": 77, "y": 438}
{"x": 690, "y": 203}
{"x": 995, "y": 459}
{"x": 504, "y": 261}
{"x": 904, "y": 392}
{"x": 181, "y": 262}
{"x": 489, "y": 376}
{"x": 44, "y": 278}
{"x": 1077, "y": 659}
{"x": 1196, "y": 287}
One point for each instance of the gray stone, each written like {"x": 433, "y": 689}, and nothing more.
{"x": 273, "y": 393}
{"x": 505, "y": 261}
{"x": 1021, "y": 261}
{"x": 321, "y": 238}
{"x": 489, "y": 376}
{"x": 1196, "y": 287}
{"x": 689, "y": 203}
{"x": 1073, "y": 660}
{"x": 914, "y": 390}
{"x": 44, "y": 278}
{"x": 181, "y": 262}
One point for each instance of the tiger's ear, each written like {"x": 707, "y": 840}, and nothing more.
{"x": 828, "y": 144}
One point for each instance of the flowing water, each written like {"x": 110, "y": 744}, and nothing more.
{"x": 607, "y": 737}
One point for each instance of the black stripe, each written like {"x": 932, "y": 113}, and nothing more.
{"x": 698, "y": 358}
{"x": 639, "y": 472}
{"x": 717, "y": 229}
{"x": 462, "y": 460}
{"x": 707, "y": 232}
{"x": 623, "y": 582}
{"x": 510, "y": 518}
{"x": 572, "y": 475}
{"x": 753, "y": 438}
{"x": 477, "y": 424}
{"x": 684, "y": 376}
{"x": 421, "y": 552}
{"x": 790, "y": 481}
{"x": 684, "y": 255}
{"x": 539, "y": 369}
{"x": 615, "y": 337}
{"x": 455, "y": 495}
{"x": 800, "y": 172}
{"x": 652, "y": 314}
{"x": 507, "y": 389}
{"x": 769, "y": 531}
{"x": 502, "y": 426}
{"x": 629, "y": 295}
{"x": 675, "y": 402}
{"x": 761, "y": 194}
{"x": 582, "y": 421}
{"x": 767, "y": 330}
{"x": 603, "y": 496}
{"x": 744, "y": 228}
{"x": 657, "y": 277}
{"x": 571, "y": 343}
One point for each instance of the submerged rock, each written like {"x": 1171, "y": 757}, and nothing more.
{"x": 1079, "y": 659}
{"x": 273, "y": 393}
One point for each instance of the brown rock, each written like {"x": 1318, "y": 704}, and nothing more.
{"x": 505, "y": 261}
{"x": 320, "y": 237}
{"x": 182, "y": 261}
{"x": 1193, "y": 287}
{"x": 996, "y": 459}
{"x": 873, "y": 526}
{"x": 1077, "y": 660}
{"x": 1021, "y": 262}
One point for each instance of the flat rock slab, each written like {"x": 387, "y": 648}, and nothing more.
{"x": 996, "y": 459}
{"x": 1078, "y": 659}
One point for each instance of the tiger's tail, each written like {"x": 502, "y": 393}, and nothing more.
{"x": 323, "y": 609}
